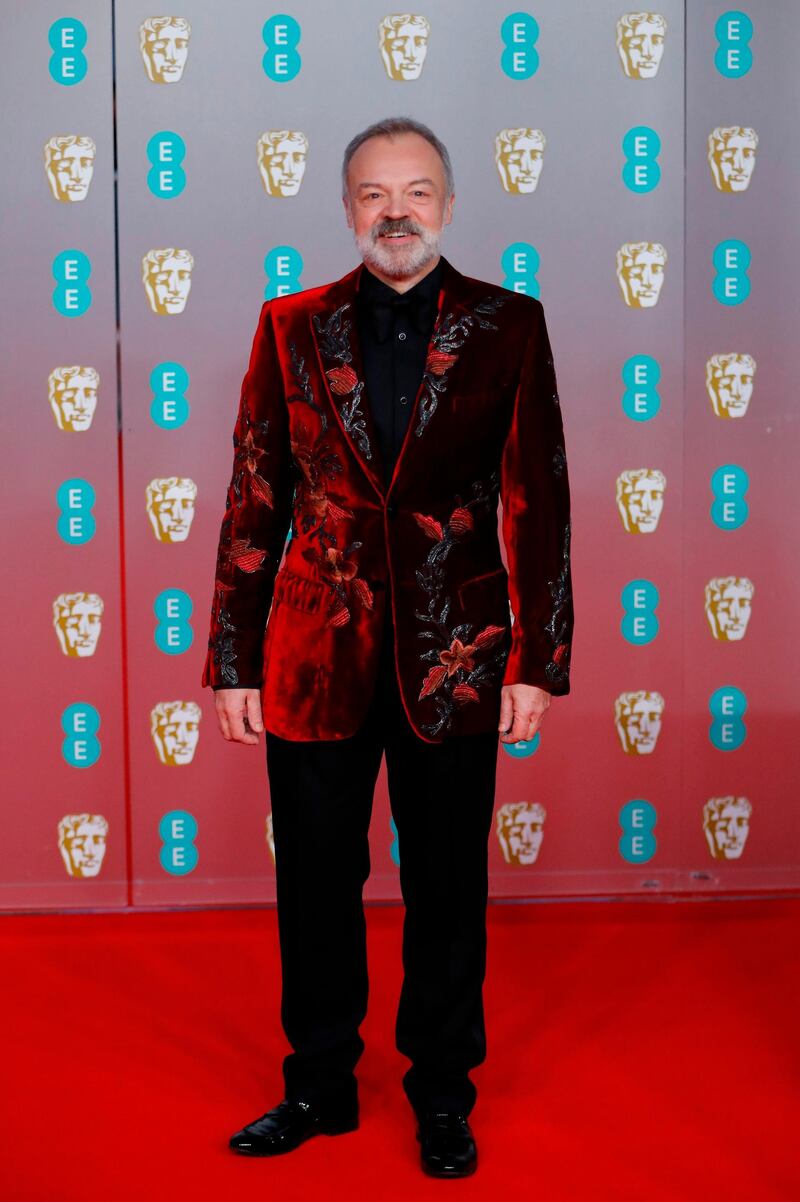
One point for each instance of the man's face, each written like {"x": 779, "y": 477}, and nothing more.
{"x": 170, "y": 281}
{"x": 286, "y": 165}
{"x": 397, "y": 185}
{"x": 734, "y": 388}
{"x": 168, "y": 51}
{"x": 174, "y": 510}
{"x": 81, "y": 627}
{"x": 77, "y": 400}
{"x": 73, "y": 170}
{"x": 179, "y": 733}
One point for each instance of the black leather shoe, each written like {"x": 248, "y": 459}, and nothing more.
{"x": 447, "y": 1145}
{"x": 289, "y": 1124}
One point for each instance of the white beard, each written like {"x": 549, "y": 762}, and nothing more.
{"x": 400, "y": 262}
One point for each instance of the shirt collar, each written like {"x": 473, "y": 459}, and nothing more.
{"x": 372, "y": 289}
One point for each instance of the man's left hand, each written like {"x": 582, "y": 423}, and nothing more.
{"x": 522, "y": 707}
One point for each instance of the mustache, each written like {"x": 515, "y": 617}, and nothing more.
{"x": 397, "y": 228}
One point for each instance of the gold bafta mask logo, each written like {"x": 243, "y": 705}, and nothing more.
{"x": 640, "y": 273}
{"x": 729, "y": 600}
{"x": 637, "y": 717}
{"x": 282, "y": 161}
{"x": 519, "y": 831}
{"x": 729, "y": 383}
{"x": 270, "y": 836}
{"x": 170, "y": 506}
{"x": 726, "y": 824}
{"x": 640, "y": 498}
{"x": 175, "y": 727}
{"x": 403, "y": 42}
{"x": 77, "y": 621}
{"x": 167, "y": 278}
{"x": 518, "y": 154}
{"x": 82, "y": 843}
{"x": 732, "y": 156}
{"x": 164, "y": 43}
{"x": 69, "y": 165}
{"x": 72, "y": 392}
{"x": 640, "y": 43}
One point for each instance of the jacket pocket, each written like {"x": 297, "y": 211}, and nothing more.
{"x": 494, "y": 584}
{"x": 298, "y": 592}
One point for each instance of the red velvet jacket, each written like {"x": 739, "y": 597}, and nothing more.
{"x": 486, "y": 423}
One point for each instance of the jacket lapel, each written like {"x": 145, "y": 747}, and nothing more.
{"x": 335, "y": 333}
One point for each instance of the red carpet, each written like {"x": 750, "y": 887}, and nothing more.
{"x": 637, "y": 1052}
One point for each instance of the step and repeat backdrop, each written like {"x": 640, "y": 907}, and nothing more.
{"x": 636, "y": 171}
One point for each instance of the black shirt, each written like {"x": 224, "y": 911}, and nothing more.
{"x": 394, "y": 342}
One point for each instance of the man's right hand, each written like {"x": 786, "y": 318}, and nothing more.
{"x": 239, "y": 714}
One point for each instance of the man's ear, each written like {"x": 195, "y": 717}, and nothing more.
{"x": 347, "y": 211}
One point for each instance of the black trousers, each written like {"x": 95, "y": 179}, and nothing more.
{"x": 442, "y": 797}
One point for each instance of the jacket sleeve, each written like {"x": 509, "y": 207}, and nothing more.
{"x": 256, "y": 522}
{"x": 536, "y": 523}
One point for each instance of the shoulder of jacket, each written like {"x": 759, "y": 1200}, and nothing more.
{"x": 293, "y": 300}
{"x": 518, "y": 302}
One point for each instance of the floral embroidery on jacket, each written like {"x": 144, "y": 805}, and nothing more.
{"x": 335, "y": 345}
{"x": 316, "y": 508}
{"x": 221, "y": 642}
{"x": 341, "y": 575}
{"x": 557, "y": 670}
{"x": 246, "y": 461}
{"x": 247, "y": 485}
{"x": 449, "y": 335}
{"x": 459, "y": 663}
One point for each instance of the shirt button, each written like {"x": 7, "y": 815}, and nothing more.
{"x": 401, "y": 336}
{"x": 403, "y": 400}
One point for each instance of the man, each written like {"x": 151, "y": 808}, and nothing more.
{"x": 383, "y": 416}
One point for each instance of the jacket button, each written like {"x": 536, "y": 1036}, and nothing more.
{"x": 391, "y": 510}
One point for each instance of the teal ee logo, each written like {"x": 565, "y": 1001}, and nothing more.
{"x": 524, "y": 748}
{"x": 727, "y": 730}
{"x": 641, "y": 147}
{"x": 282, "y": 267}
{"x": 637, "y": 842}
{"x": 731, "y": 260}
{"x": 729, "y": 483}
{"x": 639, "y": 624}
{"x": 169, "y": 408}
{"x": 394, "y": 849}
{"x": 67, "y": 39}
{"x": 165, "y": 152}
{"x": 520, "y": 263}
{"x": 640, "y": 400}
{"x": 178, "y": 854}
{"x": 173, "y": 634}
{"x": 71, "y": 295}
{"x": 519, "y": 34}
{"x": 733, "y": 57}
{"x": 281, "y": 61}
{"x": 80, "y": 723}
{"x": 75, "y": 499}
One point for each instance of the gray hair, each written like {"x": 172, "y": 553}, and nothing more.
{"x": 388, "y": 128}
